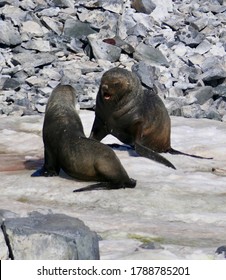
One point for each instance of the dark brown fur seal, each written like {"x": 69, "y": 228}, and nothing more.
{"x": 66, "y": 147}
{"x": 135, "y": 116}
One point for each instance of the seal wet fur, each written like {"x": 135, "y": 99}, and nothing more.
{"x": 135, "y": 116}
{"x": 66, "y": 147}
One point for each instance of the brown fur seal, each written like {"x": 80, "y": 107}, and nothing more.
{"x": 135, "y": 116}
{"x": 66, "y": 147}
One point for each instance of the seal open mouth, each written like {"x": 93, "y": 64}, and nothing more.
{"x": 105, "y": 92}
{"x": 107, "y": 96}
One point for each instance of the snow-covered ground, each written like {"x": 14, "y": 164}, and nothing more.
{"x": 182, "y": 212}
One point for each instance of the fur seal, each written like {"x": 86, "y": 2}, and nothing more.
{"x": 135, "y": 116}
{"x": 66, "y": 147}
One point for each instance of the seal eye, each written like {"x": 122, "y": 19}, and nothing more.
{"x": 116, "y": 84}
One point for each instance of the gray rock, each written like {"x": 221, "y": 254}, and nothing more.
{"x": 162, "y": 10}
{"x": 13, "y": 13}
{"x": 125, "y": 22}
{"x": 174, "y": 105}
{"x": 62, "y": 3}
{"x": 51, "y": 236}
{"x": 200, "y": 23}
{"x": 150, "y": 55}
{"x": 209, "y": 62}
{"x": 221, "y": 250}
{"x": 11, "y": 83}
{"x": 29, "y": 60}
{"x": 213, "y": 114}
{"x": 175, "y": 22}
{"x": 115, "y": 6}
{"x": 49, "y": 12}
{"x": 220, "y": 90}
{"x": 32, "y": 29}
{"x": 4, "y": 253}
{"x": 102, "y": 50}
{"x": 143, "y": 6}
{"x": 9, "y": 35}
{"x": 52, "y": 24}
{"x": 203, "y": 47}
{"x": 190, "y": 36}
{"x": 117, "y": 41}
{"x": 38, "y": 45}
{"x": 193, "y": 111}
{"x": 6, "y": 214}
{"x": 213, "y": 74}
{"x": 220, "y": 105}
{"x": 76, "y": 29}
{"x": 41, "y": 108}
{"x": 146, "y": 73}
{"x": 202, "y": 94}
{"x": 37, "y": 81}
{"x": 138, "y": 30}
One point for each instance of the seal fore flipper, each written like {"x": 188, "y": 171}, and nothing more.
{"x": 146, "y": 152}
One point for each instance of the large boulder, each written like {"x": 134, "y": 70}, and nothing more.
{"x": 49, "y": 237}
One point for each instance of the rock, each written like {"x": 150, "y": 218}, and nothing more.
{"x": 49, "y": 12}
{"x": 193, "y": 111}
{"x": 37, "y": 81}
{"x": 200, "y": 23}
{"x": 76, "y": 29}
{"x": 201, "y": 94}
{"x": 38, "y": 45}
{"x": 13, "y": 13}
{"x": 9, "y": 35}
{"x": 146, "y": 73}
{"x": 11, "y": 83}
{"x": 115, "y": 6}
{"x": 181, "y": 40}
{"x": 203, "y": 47}
{"x": 102, "y": 50}
{"x": 143, "y": 6}
{"x": 32, "y": 29}
{"x": 220, "y": 91}
{"x": 190, "y": 36}
{"x": 213, "y": 74}
{"x": 50, "y": 236}
{"x": 175, "y": 22}
{"x": 213, "y": 114}
{"x": 162, "y": 9}
{"x": 221, "y": 250}
{"x": 62, "y": 3}
{"x": 29, "y": 60}
{"x": 117, "y": 41}
{"x": 4, "y": 253}
{"x": 125, "y": 22}
{"x": 41, "y": 108}
{"x": 52, "y": 24}
{"x": 151, "y": 55}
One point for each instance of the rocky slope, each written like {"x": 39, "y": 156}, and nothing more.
{"x": 177, "y": 45}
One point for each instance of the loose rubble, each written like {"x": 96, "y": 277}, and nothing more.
{"x": 181, "y": 44}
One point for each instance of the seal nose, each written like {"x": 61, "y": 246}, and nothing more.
{"x": 104, "y": 88}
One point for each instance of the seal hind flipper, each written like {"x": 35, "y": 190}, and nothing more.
{"x": 148, "y": 153}
{"x": 176, "y": 152}
{"x": 108, "y": 186}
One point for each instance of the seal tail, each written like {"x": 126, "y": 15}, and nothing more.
{"x": 176, "y": 152}
{"x": 107, "y": 186}
{"x": 146, "y": 152}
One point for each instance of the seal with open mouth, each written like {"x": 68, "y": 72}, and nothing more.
{"x": 135, "y": 116}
